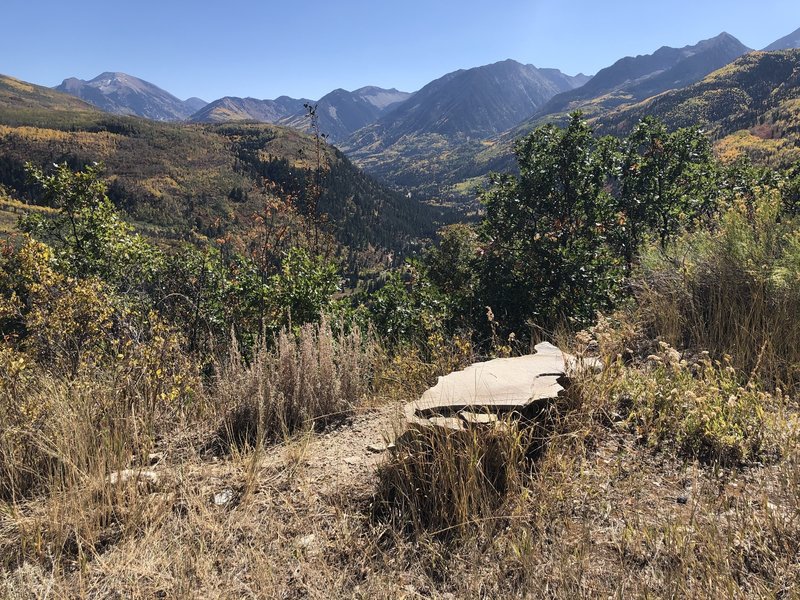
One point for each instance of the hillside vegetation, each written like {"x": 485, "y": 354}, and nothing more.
{"x": 181, "y": 181}
{"x": 182, "y": 420}
{"x": 749, "y": 107}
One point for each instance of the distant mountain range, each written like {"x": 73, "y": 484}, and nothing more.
{"x": 636, "y": 78}
{"x": 407, "y": 145}
{"x": 477, "y": 102}
{"x": 231, "y": 108}
{"x": 453, "y": 129}
{"x": 341, "y": 113}
{"x": 127, "y": 95}
{"x": 480, "y": 101}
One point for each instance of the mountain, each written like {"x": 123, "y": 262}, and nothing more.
{"x": 21, "y": 96}
{"x": 751, "y": 106}
{"x": 635, "y": 78}
{"x": 628, "y": 81}
{"x": 203, "y": 181}
{"x": 405, "y": 145}
{"x": 477, "y": 102}
{"x": 231, "y": 108}
{"x": 786, "y": 43}
{"x": 340, "y": 112}
{"x": 194, "y": 104}
{"x": 124, "y": 94}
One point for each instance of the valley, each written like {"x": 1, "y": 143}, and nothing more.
{"x": 439, "y": 142}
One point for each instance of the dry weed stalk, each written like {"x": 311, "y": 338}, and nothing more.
{"x": 305, "y": 380}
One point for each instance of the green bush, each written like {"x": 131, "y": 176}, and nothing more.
{"x": 701, "y": 410}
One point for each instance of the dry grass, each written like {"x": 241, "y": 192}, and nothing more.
{"x": 304, "y": 381}
{"x": 599, "y": 514}
{"x": 733, "y": 292}
{"x": 443, "y": 481}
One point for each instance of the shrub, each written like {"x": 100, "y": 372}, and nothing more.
{"x": 735, "y": 291}
{"x": 62, "y": 321}
{"x": 701, "y": 410}
{"x": 445, "y": 482}
{"x": 306, "y": 380}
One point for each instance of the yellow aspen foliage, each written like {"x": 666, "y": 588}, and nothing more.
{"x": 66, "y": 321}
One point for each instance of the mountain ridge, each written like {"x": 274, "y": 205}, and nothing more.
{"x": 340, "y": 112}
{"x": 407, "y": 144}
{"x": 787, "y": 42}
{"x": 234, "y": 108}
{"x": 644, "y": 75}
{"x": 522, "y": 87}
{"x": 119, "y": 93}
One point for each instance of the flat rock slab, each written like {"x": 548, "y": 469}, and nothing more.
{"x": 480, "y": 392}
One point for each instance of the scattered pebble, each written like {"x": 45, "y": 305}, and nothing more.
{"x": 306, "y": 541}
{"x": 126, "y": 475}
{"x": 377, "y": 448}
{"x": 224, "y": 497}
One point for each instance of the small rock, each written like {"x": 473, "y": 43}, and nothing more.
{"x": 377, "y": 448}
{"x": 126, "y": 475}
{"x": 224, "y": 497}
{"x": 352, "y": 460}
{"x": 306, "y": 541}
{"x": 478, "y": 418}
{"x": 682, "y": 499}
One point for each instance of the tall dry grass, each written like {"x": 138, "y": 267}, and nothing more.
{"x": 64, "y": 446}
{"x": 446, "y": 482}
{"x": 303, "y": 381}
{"x": 83, "y": 458}
{"x": 57, "y": 426}
{"x": 735, "y": 292}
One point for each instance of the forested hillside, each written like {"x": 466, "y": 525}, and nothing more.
{"x": 751, "y": 106}
{"x": 207, "y": 179}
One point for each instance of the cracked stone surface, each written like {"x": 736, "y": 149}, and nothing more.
{"x": 483, "y": 390}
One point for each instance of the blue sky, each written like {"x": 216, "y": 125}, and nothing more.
{"x": 307, "y": 48}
